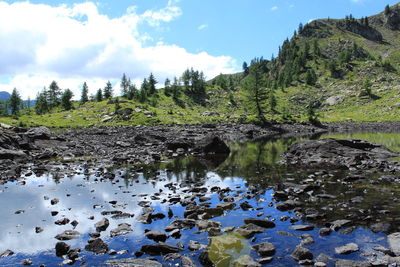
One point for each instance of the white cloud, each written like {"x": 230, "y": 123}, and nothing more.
{"x": 202, "y": 27}
{"x": 72, "y": 44}
{"x": 274, "y": 8}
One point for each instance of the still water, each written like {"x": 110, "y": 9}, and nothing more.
{"x": 82, "y": 196}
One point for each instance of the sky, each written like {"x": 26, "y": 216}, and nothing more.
{"x": 73, "y": 41}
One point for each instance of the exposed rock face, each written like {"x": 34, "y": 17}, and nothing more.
{"x": 342, "y": 153}
{"x": 392, "y": 19}
{"x": 362, "y": 30}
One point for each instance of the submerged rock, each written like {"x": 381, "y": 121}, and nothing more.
{"x": 160, "y": 249}
{"x": 133, "y": 262}
{"x": 249, "y": 230}
{"x": 347, "y": 249}
{"x": 265, "y": 249}
{"x": 260, "y": 222}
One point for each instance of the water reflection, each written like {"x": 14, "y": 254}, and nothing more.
{"x": 250, "y": 171}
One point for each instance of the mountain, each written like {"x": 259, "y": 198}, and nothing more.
{"x": 331, "y": 69}
{"x": 4, "y": 95}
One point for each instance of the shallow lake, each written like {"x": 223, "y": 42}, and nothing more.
{"x": 252, "y": 173}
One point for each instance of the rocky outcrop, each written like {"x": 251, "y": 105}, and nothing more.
{"x": 365, "y": 31}
{"x": 342, "y": 153}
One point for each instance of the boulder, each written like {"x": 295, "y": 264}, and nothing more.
{"x": 39, "y": 133}
{"x": 102, "y": 225}
{"x": 122, "y": 229}
{"x": 62, "y": 248}
{"x": 265, "y": 249}
{"x": 342, "y": 153}
{"x": 97, "y": 246}
{"x": 301, "y": 253}
{"x": 156, "y": 236}
{"x": 394, "y": 243}
{"x": 211, "y": 145}
{"x": 260, "y": 222}
{"x": 68, "y": 235}
{"x": 249, "y": 230}
{"x": 347, "y": 249}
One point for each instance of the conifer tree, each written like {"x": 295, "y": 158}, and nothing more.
{"x": 85, "y": 92}
{"x": 66, "y": 99}
{"x": 108, "y": 90}
{"x": 152, "y": 84}
{"x": 15, "y": 102}
{"x": 99, "y": 95}
{"x": 54, "y": 95}
{"x": 42, "y": 106}
{"x": 125, "y": 82}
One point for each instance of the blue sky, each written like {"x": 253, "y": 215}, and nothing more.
{"x": 143, "y": 36}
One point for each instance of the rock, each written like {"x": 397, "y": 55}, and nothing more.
{"x": 39, "y": 133}
{"x": 347, "y": 249}
{"x": 12, "y": 154}
{"x": 68, "y": 235}
{"x": 205, "y": 224}
{"x": 181, "y": 224}
{"x": 160, "y": 249}
{"x": 209, "y": 113}
{"x": 6, "y": 253}
{"x": 26, "y": 262}
{"x": 342, "y": 153}
{"x": 195, "y": 245}
{"x": 288, "y": 205}
{"x": 245, "y": 261}
{"x": 265, "y": 249}
{"x": 214, "y": 231}
{"x": 62, "y": 248}
{"x": 334, "y": 100}
{"x": 260, "y": 222}
{"x": 302, "y": 227}
{"x": 102, "y": 225}
{"x": 156, "y": 236}
{"x": 54, "y": 201}
{"x": 325, "y": 231}
{"x": 246, "y": 206}
{"x": 211, "y": 145}
{"x": 97, "y": 246}
{"x": 107, "y": 118}
{"x": 350, "y": 263}
{"x": 133, "y": 262}
{"x": 394, "y": 243}
{"x": 226, "y": 205}
{"x": 301, "y": 253}
{"x": 175, "y": 233}
{"x": 122, "y": 229}
{"x": 249, "y": 230}
{"x": 380, "y": 227}
{"x": 210, "y": 213}
{"x": 336, "y": 225}
{"x": 63, "y": 221}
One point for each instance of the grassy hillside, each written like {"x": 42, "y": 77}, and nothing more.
{"x": 346, "y": 55}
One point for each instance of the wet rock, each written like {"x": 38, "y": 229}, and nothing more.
{"x": 27, "y": 262}
{"x": 246, "y": 206}
{"x": 19, "y": 212}
{"x": 206, "y": 224}
{"x": 54, "y": 201}
{"x": 336, "y": 153}
{"x": 394, "y": 243}
{"x": 94, "y": 235}
{"x": 307, "y": 240}
{"x": 175, "y": 233}
{"x": 133, "y": 262}
{"x": 145, "y": 217}
{"x": 54, "y": 213}
{"x": 347, "y": 249}
{"x": 325, "y": 231}
{"x": 288, "y": 205}
{"x": 74, "y": 223}
{"x": 380, "y": 227}
{"x": 97, "y": 246}
{"x": 245, "y": 261}
{"x": 122, "y": 229}
{"x": 160, "y": 249}
{"x": 260, "y": 222}
{"x": 102, "y": 225}
{"x": 210, "y": 213}
{"x": 195, "y": 245}
{"x": 123, "y": 215}
{"x": 63, "y": 221}
{"x": 73, "y": 254}
{"x": 265, "y": 249}
{"x": 68, "y": 235}
{"x": 249, "y": 230}
{"x": 350, "y": 263}
{"x": 156, "y": 236}
{"x": 336, "y": 225}
{"x": 266, "y": 260}
{"x": 211, "y": 145}
{"x": 62, "y": 248}
{"x": 181, "y": 224}
{"x": 214, "y": 231}
{"x": 302, "y": 227}
{"x": 301, "y": 253}
{"x": 6, "y": 253}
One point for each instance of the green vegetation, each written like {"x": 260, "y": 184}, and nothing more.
{"x": 329, "y": 70}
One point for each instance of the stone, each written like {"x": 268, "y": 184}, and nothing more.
{"x": 62, "y": 221}
{"x": 181, "y": 224}
{"x": 347, "y": 249}
{"x": 195, "y": 245}
{"x": 249, "y": 230}
{"x": 302, "y": 227}
{"x": 38, "y": 229}
{"x": 325, "y": 231}
{"x": 334, "y": 100}
{"x": 336, "y": 225}
{"x": 102, "y": 225}
{"x": 301, "y": 253}
{"x": 156, "y": 236}
{"x": 133, "y": 262}
{"x": 122, "y": 229}
{"x": 6, "y": 253}
{"x": 260, "y": 222}
{"x": 351, "y": 263}
{"x": 288, "y": 205}
{"x": 97, "y": 246}
{"x": 245, "y": 261}
{"x": 68, "y": 235}
{"x": 39, "y": 133}
{"x": 394, "y": 243}
{"x": 160, "y": 249}
{"x": 62, "y": 248}
{"x": 265, "y": 249}
{"x": 211, "y": 145}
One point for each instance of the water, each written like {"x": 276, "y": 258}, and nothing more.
{"x": 250, "y": 165}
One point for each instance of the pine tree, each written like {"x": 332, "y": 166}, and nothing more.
{"x": 245, "y": 68}
{"x": 311, "y": 77}
{"x": 85, "y": 91}
{"x": 132, "y": 92}
{"x": 387, "y": 10}
{"x": 125, "y": 82}
{"x": 54, "y": 95}
{"x": 66, "y": 99}
{"x": 108, "y": 90}
{"x": 42, "y": 106}
{"x": 99, "y": 95}
{"x": 152, "y": 84}
{"x": 15, "y": 102}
